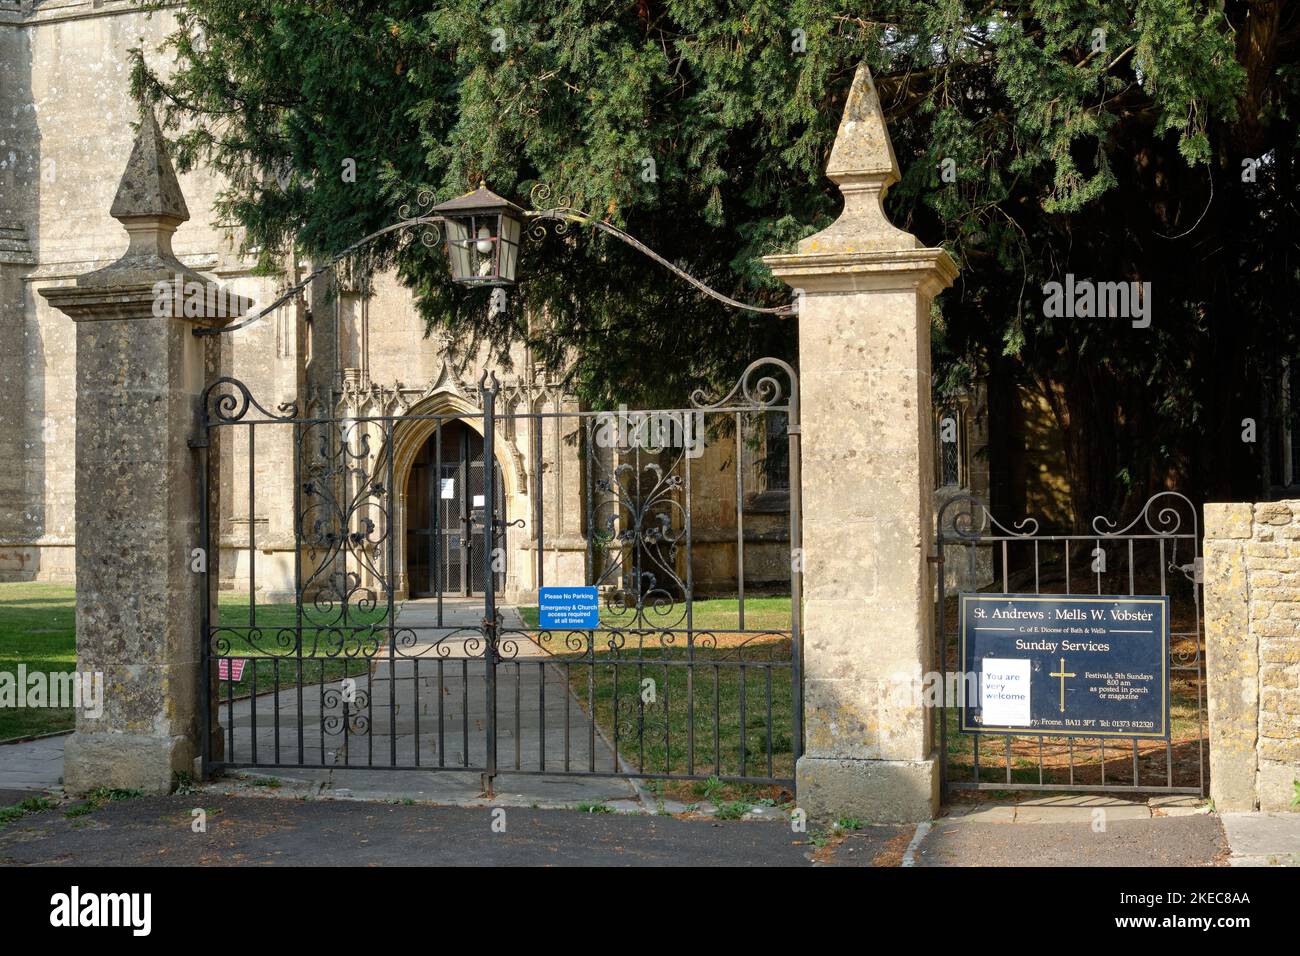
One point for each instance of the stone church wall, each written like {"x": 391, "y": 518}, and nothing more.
{"x": 65, "y": 133}
{"x": 66, "y": 121}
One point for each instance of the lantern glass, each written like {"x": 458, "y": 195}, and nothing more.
{"x": 458, "y": 246}
{"x": 483, "y": 231}
{"x": 508, "y": 247}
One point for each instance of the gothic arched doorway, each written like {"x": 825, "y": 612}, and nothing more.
{"x": 445, "y": 499}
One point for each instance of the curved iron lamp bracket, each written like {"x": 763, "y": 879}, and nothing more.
{"x": 563, "y": 215}
{"x": 567, "y": 216}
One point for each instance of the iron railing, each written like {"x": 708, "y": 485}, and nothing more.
{"x": 1158, "y": 552}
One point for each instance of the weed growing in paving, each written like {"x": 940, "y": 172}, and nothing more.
{"x": 29, "y": 806}
{"x": 593, "y": 808}
{"x": 98, "y": 797}
{"x": 183, "y": 784}
{"x": 107, "y": 794}
{"x": 708, "y": 789}
{"x": 733, "y": 810}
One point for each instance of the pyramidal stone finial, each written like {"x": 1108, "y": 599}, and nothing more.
{"x": 150, "y": 206}
{"x": 149, "y": 186}
{"x": 862, "y": 164}
{"x": 147, "y": 281}
{"x": 862, "y": 146}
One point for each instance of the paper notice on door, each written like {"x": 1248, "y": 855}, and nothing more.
{"x": 448, "y": 488}
{"x": 1004, "y": 692}
{"x": 478, "y": 501}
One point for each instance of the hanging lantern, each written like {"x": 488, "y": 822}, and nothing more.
{"x": 483, "y": 231}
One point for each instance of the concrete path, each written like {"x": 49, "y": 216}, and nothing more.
{"x": 33, "y": 765}
{"x": 427, "y": 707}
{"x": 1263, "y": 839}
{"x": 1071, "y": 830}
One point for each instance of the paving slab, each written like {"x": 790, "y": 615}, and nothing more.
{"x": 1153, "y": 841}
{"x": 1079, "y": 809}
{"x": 1176, "y": 805}
{"x": 981, "y": 812}
{"x": 1263, "y": 839}
{"x": 32, "y": 764}
{"x": 1053, "y": 808}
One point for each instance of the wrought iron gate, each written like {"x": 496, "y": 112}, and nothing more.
{"x": 1158, "y": 552}
{"x": 684, "y": 677}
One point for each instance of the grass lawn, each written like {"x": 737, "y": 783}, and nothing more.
{"x": 37, "y": 624}
{"x": 37, "y": 628}
{"x": 705, "y": 701}
{"x": 761, "y": 613}
{"x": 275, "y": 665}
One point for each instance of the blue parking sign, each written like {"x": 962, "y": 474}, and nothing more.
{"x": 576, "y": 609}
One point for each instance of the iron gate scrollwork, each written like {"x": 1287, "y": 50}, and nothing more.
{"x": 685, "y": 520}
{"x": 1157, "y": 552}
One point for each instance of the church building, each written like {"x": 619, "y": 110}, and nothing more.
{"x": 350, "y": 348}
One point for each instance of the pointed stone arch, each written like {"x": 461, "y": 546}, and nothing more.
{"x": 410, "y": 434}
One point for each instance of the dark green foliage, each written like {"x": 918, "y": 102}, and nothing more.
{"x": 1114, "y": 164}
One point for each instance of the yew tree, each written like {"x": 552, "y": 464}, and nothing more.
{"x": 1150, "y": 141}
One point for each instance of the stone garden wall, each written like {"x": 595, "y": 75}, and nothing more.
{"x": 1252, "y": 636}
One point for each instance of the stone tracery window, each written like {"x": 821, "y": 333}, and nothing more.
{"x": 950, "y": 444}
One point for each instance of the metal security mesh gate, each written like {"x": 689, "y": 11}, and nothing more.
{"x": 350, "y": 622}
{"x": 1157, "y": 553}
{"x": 444, "y": 504}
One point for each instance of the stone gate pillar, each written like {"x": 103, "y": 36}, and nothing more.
{"x": 868, "y": 479}
{"x": 140, "y": 376}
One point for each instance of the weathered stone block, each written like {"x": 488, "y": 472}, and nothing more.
{"x": 1273, "y": 513}
{"x": 874, "y": 791}
{"x": 1278, "y": 701}
{"x": 1280, "y": 650}
{"x": 1228, "y": 521}
{"x": 1273, "y": 624}
{"x": 1280, "y": 726}
{"x": 1260, "y": 548}
{"x": 1280, "y": 750}
{"x": 1277, "y": 787}
{"x": 125, "y": 761}
{"x": 1279, "y": 676}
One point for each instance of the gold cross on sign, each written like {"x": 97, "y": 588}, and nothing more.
{"x": 1063, "y": 674}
